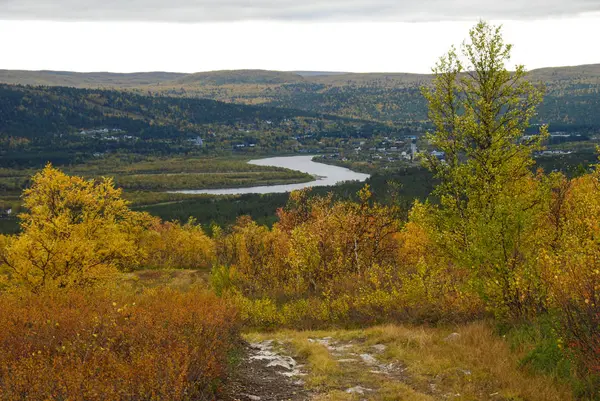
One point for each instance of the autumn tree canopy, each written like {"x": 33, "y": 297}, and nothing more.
{"x": 75, "y": 232}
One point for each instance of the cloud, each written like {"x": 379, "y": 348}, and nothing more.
{"x": 289, "y": 10}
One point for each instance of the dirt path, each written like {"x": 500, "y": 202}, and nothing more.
{"x": 267, "y": 373}
{"x": 272, "y": 370}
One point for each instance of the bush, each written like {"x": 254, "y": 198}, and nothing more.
{"x": 571, "y": 267}
{"x": 75, "y": 233}
{"x": 170, "y": 245}
{"x": 161, "y": 344}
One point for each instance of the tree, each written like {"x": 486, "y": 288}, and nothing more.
{"x": 480, "y": 111}
{"x": 75, "y": 233}
{"x": 488, "y": 193}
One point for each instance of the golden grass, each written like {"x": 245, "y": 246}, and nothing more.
{"x": 477, "y": 365}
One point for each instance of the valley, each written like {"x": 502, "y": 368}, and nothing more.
{"x": 270, "y": 235}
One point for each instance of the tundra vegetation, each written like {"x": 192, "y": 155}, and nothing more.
{"x": 507, "y": 255}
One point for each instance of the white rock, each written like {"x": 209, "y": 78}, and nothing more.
{"x": 285, "y": 362}
{"x": 379, "y": 347}
{"x": 358, "y": 390}
{"x": 368, "y": 359}
{"x": 452, "y": 337}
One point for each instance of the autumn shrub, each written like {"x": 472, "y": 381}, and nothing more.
{"x": 75, "y": 233}
{"x": 433, "y": 284}
{"x": 328, "y": 262}
{"x": 170, "y": 245}
{"x": 97, "y": 345}
{"x": 571, "y": 266}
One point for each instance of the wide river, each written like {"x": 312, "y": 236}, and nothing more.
{"x": 325, "y": 175}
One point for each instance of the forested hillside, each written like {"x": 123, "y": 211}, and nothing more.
{"x": 86, "y": 79}
{"x": 571, "y": 100}
{"x": 60, "y": 120}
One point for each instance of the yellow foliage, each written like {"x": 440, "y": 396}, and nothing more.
{"x": 76, "y": 232}
{"x": 570, "y": 264}
{"x": 172, "y": 245}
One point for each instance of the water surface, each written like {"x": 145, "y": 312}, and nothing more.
{"x": 324, "y": 174}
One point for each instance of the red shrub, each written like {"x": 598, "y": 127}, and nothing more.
{"x": 162, "y": 344}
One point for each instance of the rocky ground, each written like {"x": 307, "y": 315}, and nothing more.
{"x": 386, "y": 363}
{"x": 267, "y": 374}
{"x": 270, "y": 371}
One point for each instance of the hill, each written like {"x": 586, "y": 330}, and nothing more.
{"x": 551, "y": 76}
{"x": 86, "y": 80}
{"x": 238, "y": 77}
{"x": 63, "y": 124}
{"x": 571, "y": 101}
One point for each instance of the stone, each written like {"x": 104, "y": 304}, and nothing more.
{"x": 452, "y": 337}
{"x": 379, "y": 347}
{"x": 358, "y": 390}
{"x": 368, "y": 359}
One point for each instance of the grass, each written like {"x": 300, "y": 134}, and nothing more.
{"x": 476, "y": 365}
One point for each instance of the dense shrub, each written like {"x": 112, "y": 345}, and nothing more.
{"x": 173, "y": 245}
{"x": 161, "y": 344}
{"x": 571, "y": 266}
{"x": 337, "y": 262}
{"x": 75, "y": 233}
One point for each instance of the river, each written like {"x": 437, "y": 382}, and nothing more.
{"x": 325, "y": 175}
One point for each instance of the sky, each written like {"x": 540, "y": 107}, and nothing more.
{"x": 288, "y": 35}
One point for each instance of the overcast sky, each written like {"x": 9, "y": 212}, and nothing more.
{"x": 332, "y": 35}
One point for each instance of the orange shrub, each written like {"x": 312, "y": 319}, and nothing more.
{"x": 338, "y": 262}
{"x": 161, "y": 344}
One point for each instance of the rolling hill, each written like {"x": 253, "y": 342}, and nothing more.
{"x": 572, "y": 96}
{"x": 589, "y": 74}
{"x": 86, "y": 80}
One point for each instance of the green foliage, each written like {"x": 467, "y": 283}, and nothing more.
{"x": 68, "y": 125}
{"x": 489, "y": 197}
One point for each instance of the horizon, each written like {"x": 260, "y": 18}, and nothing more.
{"x": 298, "y": 72}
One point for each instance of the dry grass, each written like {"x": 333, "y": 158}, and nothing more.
{"x": 476, "y": 365}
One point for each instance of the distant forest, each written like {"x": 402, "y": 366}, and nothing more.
{"x": 263, "y": 111}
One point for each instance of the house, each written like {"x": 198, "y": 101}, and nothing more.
{"x": 438, "y": 155}
{"x": 196, "y": 141}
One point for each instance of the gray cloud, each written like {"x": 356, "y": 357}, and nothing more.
{"x": 319, "y": 10}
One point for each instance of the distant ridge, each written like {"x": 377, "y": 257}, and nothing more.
{"x": 240, "y": 77}
{"x": 86, "y": 79}
{"x": 319, "y": 73}
{"x": 152, "y": 80}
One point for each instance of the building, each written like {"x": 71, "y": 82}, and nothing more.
{"x": 413, "y": 151}
{"x": 196, "y": 141}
